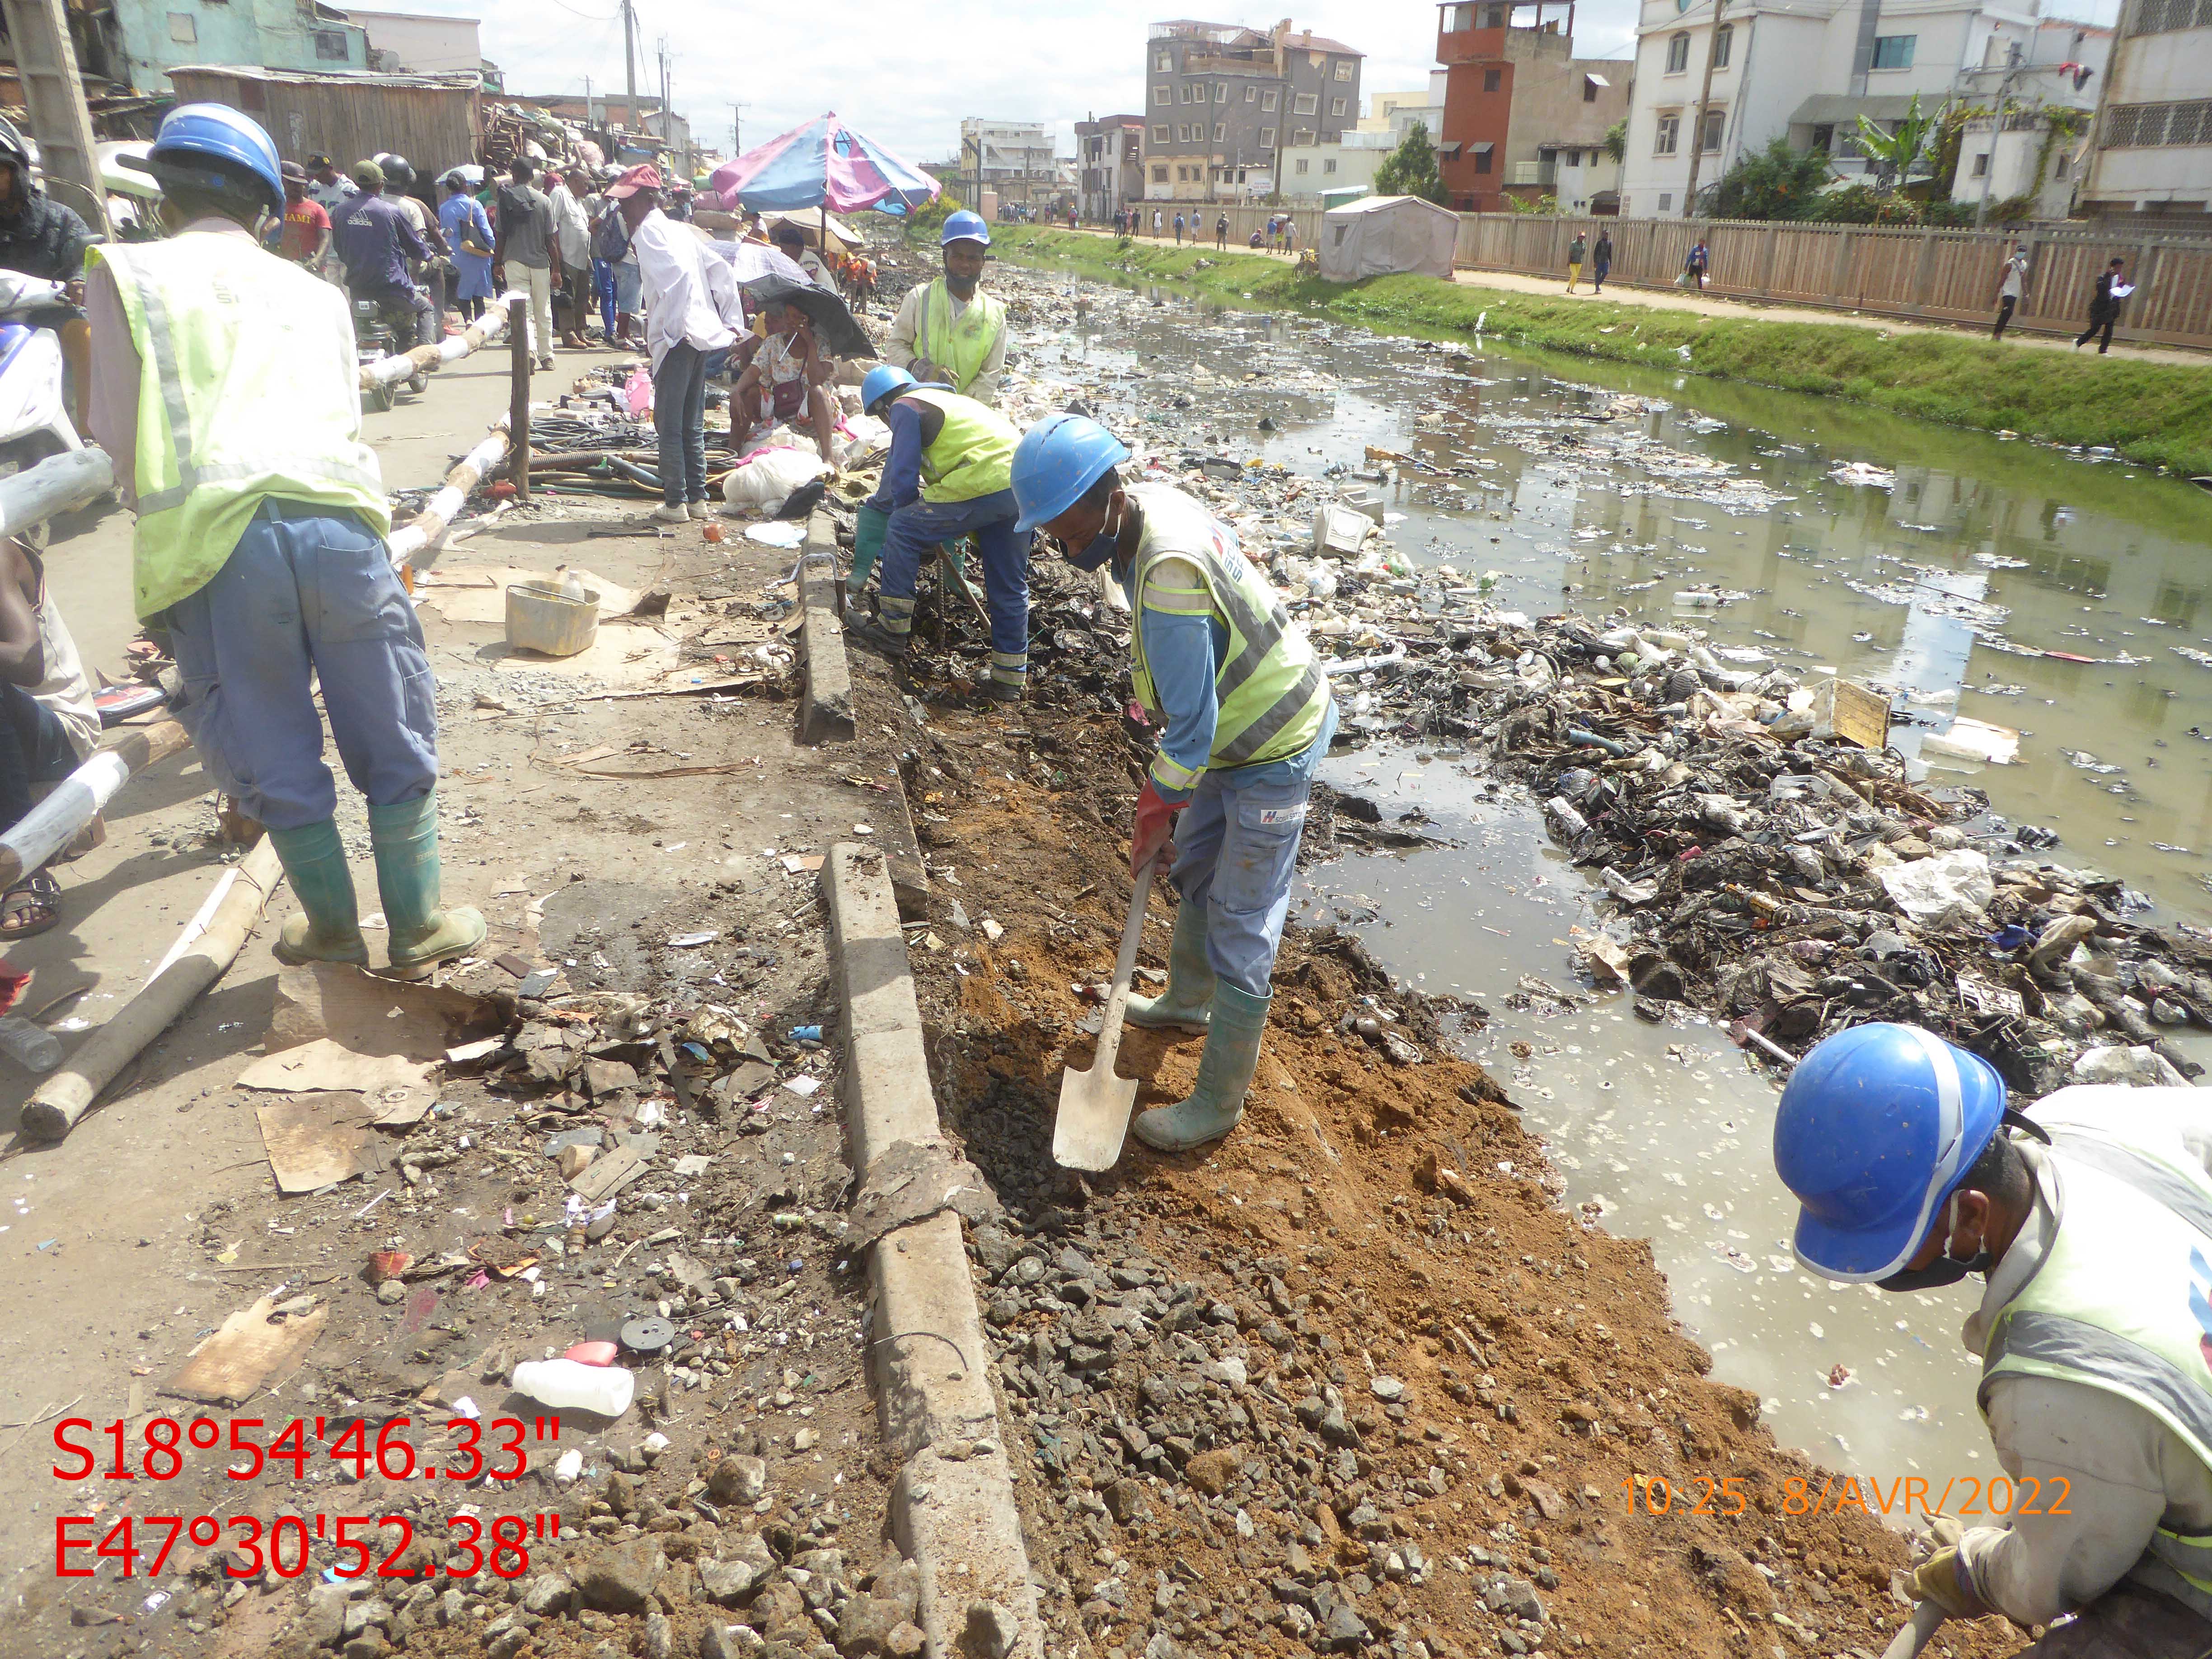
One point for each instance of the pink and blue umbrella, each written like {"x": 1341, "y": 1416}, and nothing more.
{"x": 822, "y": 163}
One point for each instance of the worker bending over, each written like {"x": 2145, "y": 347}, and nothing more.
{"x": 225, "y": 387}
{"x": 948, "y": 330}
{"x": 948, "y": 476}
{"x": 1248, "y": 714}
{"x": 2090, "y": 1221}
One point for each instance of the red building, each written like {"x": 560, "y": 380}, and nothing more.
{"x": 1523, "y": 116}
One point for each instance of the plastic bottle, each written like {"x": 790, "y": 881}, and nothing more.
{"x": 565, "y": 1385}
{"x": 31, "y": 1047}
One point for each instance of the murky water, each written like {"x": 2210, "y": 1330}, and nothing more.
{"x": 1949, "y": 585}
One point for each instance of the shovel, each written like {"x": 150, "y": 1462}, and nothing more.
{"x": 1094, "y": 1105}
{"x": 1911, "y": 1638}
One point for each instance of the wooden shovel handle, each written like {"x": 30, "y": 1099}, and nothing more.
{"x": 1117, "y": 995}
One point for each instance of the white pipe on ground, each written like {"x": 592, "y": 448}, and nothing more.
{"x": 386, "y": 371}
{"x": 57, "y": 484}
{"x": 415, "y": 546}
{"x": 54, "y": 822}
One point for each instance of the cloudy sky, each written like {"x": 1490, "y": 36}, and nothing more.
{"x": 906, "y": 74}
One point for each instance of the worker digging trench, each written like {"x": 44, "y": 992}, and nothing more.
{"x": 1319, "y": 1363}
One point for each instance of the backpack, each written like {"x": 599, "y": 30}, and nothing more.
{"x": 610, "y": 241}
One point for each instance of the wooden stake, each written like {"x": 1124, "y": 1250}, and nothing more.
{"x": 518, "y": 410}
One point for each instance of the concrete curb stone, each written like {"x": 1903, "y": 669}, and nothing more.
{"x": 953, "y": 1509}
{"x": 825, "y": 712}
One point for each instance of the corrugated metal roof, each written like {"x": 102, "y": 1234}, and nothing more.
{"x": 460, "y": 82}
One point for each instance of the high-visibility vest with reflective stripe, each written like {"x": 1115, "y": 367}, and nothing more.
{"x": 962, "y": 344}
{"x": 1272, "y": 693}
{"x": 248, "y": 389}
{"x": 973, "y": 453}
{"x": 2123, "y": 1300}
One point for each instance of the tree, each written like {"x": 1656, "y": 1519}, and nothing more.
{"x": 1536, "y": 205}
{"x": 1894, "y": 152}
{"x": 1411, "y": 169}
{"x": 1774, "y": 183}
{"x": 1616, "y": 141}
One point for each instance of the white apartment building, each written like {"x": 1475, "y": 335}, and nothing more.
{"x": 2153, "y": 134}
{"x": 1393, "y": 112}
{"x": 1805, "y": 70}
{"x": 1343, "y": 171}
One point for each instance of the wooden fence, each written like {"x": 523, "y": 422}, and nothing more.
{"x": 1942, "y": 276}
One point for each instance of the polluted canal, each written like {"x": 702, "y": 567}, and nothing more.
{"x": 2038, "y": 622}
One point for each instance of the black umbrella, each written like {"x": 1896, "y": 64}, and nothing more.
{"x": 833, "y": 327}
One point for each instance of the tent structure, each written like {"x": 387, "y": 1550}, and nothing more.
{"x": 825, "y": 164}
{"x": 1383, "y": 235}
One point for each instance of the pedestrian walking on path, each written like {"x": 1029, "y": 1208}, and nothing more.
{"x": 2105, "y": 307}
{"x": 1575, "y": 249}
{"x": 949, "y": 474}
{"x": 1178, "y": 229}
{"x": 691, "y": 305}
{"x": 1156, "y": 224}
{"x": 526, "y": 254}
{"x": 2011, "y": 282}
{"x": 225, "y": 387}
{"x": 1245, "y": 714}
{"x": 1221, "y": 232}
{"x": 1601, "y": 261}
{"x": 1695, "y": 267}
{"x": 2084, "y": 1216}
{"x": 468, "y": 231}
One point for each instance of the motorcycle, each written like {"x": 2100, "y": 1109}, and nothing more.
{"x": 378, "y": 328}
{"x": 34, "y": 421}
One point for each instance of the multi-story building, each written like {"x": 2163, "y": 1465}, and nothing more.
{"x": 1519, "y": 105}
{"x": 1328, "y": 175}
{"x": 412, "y": 43}
{"x": 1109, "y": 158}
{"x": 1222, "y": 100}
{"x": 1394, "y": 111}
{"x": 1010, "y": 161}
{"x": 145, "y": 39}
{"x": 2152, "y": 140}
{"x": 1717, "y": 79}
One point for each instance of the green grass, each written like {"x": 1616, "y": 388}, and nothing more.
{"x": 2158, "y": 414}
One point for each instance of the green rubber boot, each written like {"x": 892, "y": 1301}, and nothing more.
{"x": 314, "y": 862}
{"x": 1190, "y": 980}
{"x": 867, "y": 547}
{"x": 1225, "y": 1072}
{"x": 404, "y": 838}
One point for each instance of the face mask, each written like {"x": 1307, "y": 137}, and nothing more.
{"x": 1946, "y": 1269}
{"x": 1099, "y": 550}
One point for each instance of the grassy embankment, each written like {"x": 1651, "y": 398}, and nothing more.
{"x": 2160, "y": 414}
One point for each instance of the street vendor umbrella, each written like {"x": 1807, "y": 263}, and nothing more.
{"x": 841, "y": 336}
{"x": 822, "y": 163}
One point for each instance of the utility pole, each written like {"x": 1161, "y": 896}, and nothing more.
{"x": 630, "y": 60}
{"x": 1698, "y": 127}
{"x": 737, "y": 125}
{"x": 1997, "y": 131}
{"x": 53, "y": 99}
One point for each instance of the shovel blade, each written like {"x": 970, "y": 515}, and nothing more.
{"x": 1094, "y": 1116}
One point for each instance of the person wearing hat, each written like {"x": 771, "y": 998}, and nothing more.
{"x": 42, "y": 238}
{"x": 790, "y": 241}
{"x": 948, "y": 476}
{"x": 690, "y": 301}
{"x": 226, "y": 389}
{"x": 379, "y": 248}
{"x": 2089, "y": 1219}
{"x": 431, "y": 273}
{"x": 948, "y": 330}
{"x": 307, "y": 238}
{"x": 468, "y": 230}
{"x": 330, "y": 188}
{"x": 1246, "y": 715}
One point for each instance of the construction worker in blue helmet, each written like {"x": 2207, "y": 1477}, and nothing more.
{"x": 948, "y": 476}
{"x": 948, "y": 330}
{"x": 1246, "y": 715}
{"x": 2090, "y": 1223}
{"x": 226, "y": 388}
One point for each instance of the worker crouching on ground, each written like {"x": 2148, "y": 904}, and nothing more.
{"x": 1247, "y": 714}
{"x": 2091, "y": 1226}
{"x": 225, "y": 387}
{"x": 949, "y": 474}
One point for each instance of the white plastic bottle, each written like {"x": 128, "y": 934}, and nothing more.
{"x": 564, "y": 1384}
{"x": 33, "y": 1048}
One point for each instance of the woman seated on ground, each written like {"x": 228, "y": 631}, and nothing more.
{"x": 785, "y": 377}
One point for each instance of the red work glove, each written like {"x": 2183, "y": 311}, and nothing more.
{"x": 1155, "y": 822}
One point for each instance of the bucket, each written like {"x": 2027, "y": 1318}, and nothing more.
{"x": 546, "y": 620}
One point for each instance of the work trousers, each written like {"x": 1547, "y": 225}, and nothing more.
{"x": 2127, "y": 1621}
{"x": 1598, "y": 274}
{"x": 307, "y": 595}
{"x": 34, "y": 749}
{"x": 2098, "y": 320}
{"x": 920, "y": 526}
{"x": 2006, "y": 302}
{"x": 602, "y": 285}
{"x": 538, "y": 279}
{"x": 1236, "y": 848}
{"x": 680, "y": 415}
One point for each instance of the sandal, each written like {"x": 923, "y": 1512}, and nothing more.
{"x": 32, "y": 907}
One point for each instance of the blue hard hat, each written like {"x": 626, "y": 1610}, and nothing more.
{"x": 964, "y": 227}
{"x": 1876, "y": 1129}
{"x": 193, "y": 135}
{"x": 1057, "y": 460}
{"x": 880, "y": 382}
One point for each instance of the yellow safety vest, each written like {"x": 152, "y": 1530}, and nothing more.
{"x": 959, "y": 345}
{"x": 248, "y": 389}
{"x": 1272, "y": 691}
{"x": 2120, "y": 1301}
{"x": 973, "y": 453}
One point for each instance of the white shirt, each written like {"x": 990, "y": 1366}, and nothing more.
{"x": 688, "y": 298}
{"x": 2124, "y": 1473}
{"x": 332, "y": 197}
{"x": 2016, "y": 268}
{"x": 571, "y": 231}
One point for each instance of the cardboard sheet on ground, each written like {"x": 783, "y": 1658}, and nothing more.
{"x": 249, "y": 1352}
{"x": 371, "y": 1015}
{"x": 478, "y": 592}
{"x": 625, "y": 655}
{"x": 326, "y": 1065}
{"x": 313, "y": 1141}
